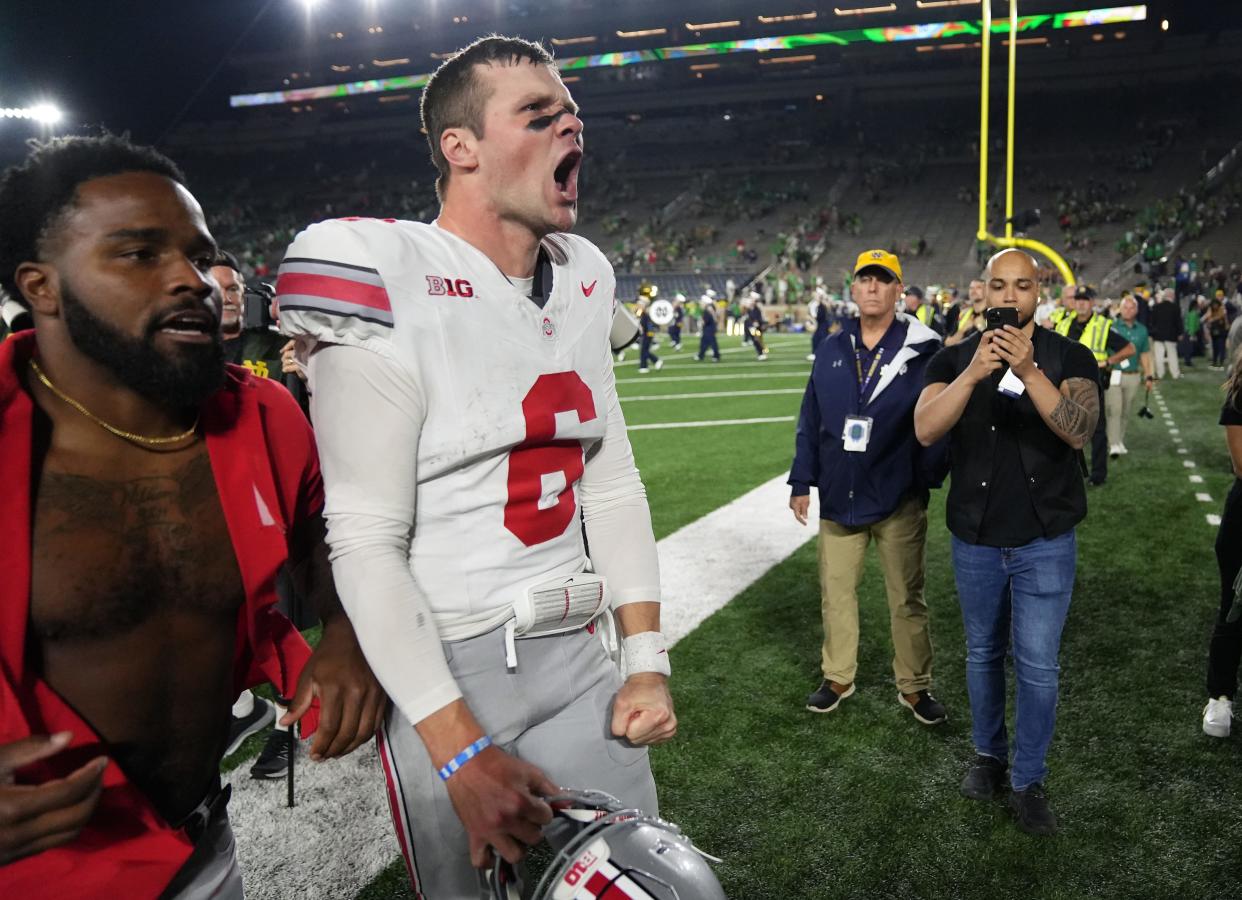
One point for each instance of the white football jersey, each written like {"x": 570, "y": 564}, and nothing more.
{"x": 514, "y": 398}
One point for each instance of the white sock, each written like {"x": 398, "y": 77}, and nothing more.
{"x": 244, "y": 705}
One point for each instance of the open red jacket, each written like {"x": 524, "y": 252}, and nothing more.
{"x": 263, "y": 456}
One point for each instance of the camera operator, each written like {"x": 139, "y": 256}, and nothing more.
{"x": 258, "y": 347}
{"x": 1095, "y": 331}
{"x": 1019, "y": 403}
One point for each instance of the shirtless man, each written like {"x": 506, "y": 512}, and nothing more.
{"x": 134, "y": 454}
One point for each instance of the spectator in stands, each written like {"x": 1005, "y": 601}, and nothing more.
{"x": 1165, "y": 328}
{"x": 144, "y": 589}
{"x": 962, "y": 321}
{"x": 1225, "y": 650}
{"x": 856, "y": 443}
{"x": 1095, "y": 332}
{"x": 1014, "y": 501}
{"x": 707, "y": 336}
{"x": 1119, "y": 399}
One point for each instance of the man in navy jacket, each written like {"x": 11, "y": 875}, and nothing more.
{"x": 856, "y": 443}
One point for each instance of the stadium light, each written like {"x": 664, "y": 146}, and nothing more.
{"x": 43, "y": 113}
{"x": 46, "y": 113}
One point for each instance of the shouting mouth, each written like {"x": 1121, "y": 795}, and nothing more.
{"x": 565, "y": 176}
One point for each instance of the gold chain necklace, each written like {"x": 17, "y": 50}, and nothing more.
{"x": 140, "y": 440}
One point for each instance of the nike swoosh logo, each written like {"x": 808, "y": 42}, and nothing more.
{"x": 588, "y": 289}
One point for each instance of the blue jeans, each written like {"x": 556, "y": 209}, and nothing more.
{"x": 1015, "y": 596}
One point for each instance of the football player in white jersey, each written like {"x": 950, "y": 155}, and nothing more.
{"x": 470, "y": 432}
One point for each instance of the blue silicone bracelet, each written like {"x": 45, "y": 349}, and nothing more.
{"x": 447, "y": 770}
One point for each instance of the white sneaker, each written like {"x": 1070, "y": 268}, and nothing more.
{"x": 762, "y": 357}
{"x": 643, "y": 371}
{"x": 621, "y": 356}
{"x": 1121, "y": 448}
{"x": 1217, "y": 717}
{"x": 659, "y": 364}
{"x": 1114, "y": 450}
{"x": 810, "y": 357}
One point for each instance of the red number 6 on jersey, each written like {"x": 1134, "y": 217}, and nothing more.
{"x": 541, "y": 456}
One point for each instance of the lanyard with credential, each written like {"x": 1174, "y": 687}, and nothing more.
{"x": 875, "y": 362}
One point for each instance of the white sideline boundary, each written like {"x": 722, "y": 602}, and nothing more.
{"x": 339, "y": 837}
{"x": 707, "y": 423}
{"x": 714, "y": 395}
{"x": 724, "y": 376}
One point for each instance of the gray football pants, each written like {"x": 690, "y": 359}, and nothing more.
{"x": 211, "y": 872}
{"x": 554, "y": 711}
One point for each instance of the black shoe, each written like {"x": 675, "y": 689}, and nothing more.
{"x": 927, "y": 709}
{"x": 1032, "y": 810}
{"x": 273, "y": 762}
{"x": 263, "y": 714}
{"x": 1096, "y": 482}
{"x": 825, "y": 699}
{"x": 985, "y": 778}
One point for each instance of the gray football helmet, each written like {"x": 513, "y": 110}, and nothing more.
{"x": 603, "y": 849}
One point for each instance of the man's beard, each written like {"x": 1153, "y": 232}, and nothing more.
{"x": 173, "y": 382}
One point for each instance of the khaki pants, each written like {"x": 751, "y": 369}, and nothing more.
{"x": 1165, "y": 352}
{"x": 901, "y": 542}
{"x": 1118, "y": 405}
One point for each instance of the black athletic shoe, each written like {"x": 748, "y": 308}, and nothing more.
{"x": 825, "y": 699}
{"x": 263, "y": 714}
{"x": 1032, "y": 810}
{"x": 927, "y": 709}
{"x": 273, "y": 762}
{"x": 984, "y": 780}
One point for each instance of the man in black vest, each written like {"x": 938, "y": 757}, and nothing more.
{"x": 1019, "y": 404}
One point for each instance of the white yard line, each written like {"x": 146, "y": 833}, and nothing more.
{"x": 713, "y": 394}
{"x": 710, "y": 561}
{"x": 1203, "y": 498}
{"x": 749, "y": 364}
{"x": 707, "y": 423}
{"x": 339, "y": 836}
{"x": 1213, "y": 519}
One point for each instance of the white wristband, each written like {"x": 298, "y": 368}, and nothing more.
{"x": 646, "y": 651}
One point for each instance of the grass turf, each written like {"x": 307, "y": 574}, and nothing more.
{"x": 863, "y": 803}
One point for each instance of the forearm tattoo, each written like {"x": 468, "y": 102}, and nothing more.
{"x": 1075, "y": 416}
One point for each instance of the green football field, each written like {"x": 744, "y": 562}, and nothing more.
{"x": 863, "y": 803}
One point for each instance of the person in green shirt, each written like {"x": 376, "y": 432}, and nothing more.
{"x": 1131, "y": 373}
{"x": 1193, "y": 339}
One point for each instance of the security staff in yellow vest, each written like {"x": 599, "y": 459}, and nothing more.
{"x": 969, "y": 317}
{"x": 1108, "y": 347}
{"x": 926, "y": 313}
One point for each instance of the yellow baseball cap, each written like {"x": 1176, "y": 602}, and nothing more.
{"x": 881, "y": 258}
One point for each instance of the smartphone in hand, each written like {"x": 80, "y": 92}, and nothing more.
{"x": 1000, "y": 316}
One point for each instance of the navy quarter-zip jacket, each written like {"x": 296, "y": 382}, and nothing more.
{"x": 859, "y": 488}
